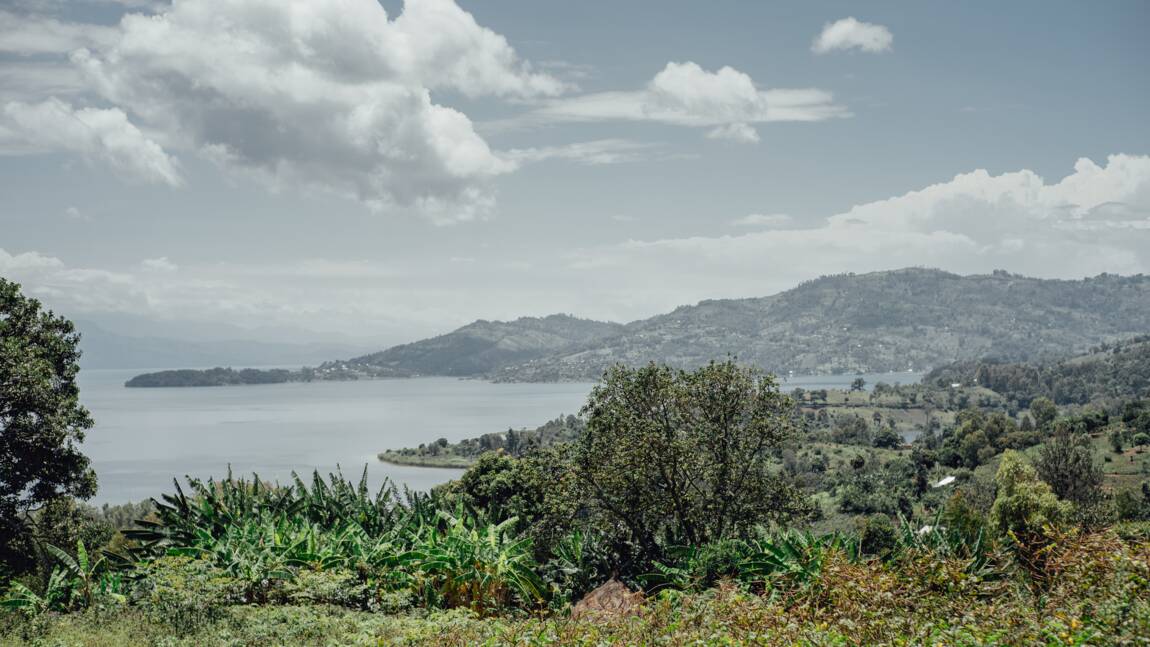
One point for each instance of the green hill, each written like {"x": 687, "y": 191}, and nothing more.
{"x": 878, "y": 322}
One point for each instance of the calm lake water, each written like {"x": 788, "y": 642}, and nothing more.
{"x": 145, "y": 437}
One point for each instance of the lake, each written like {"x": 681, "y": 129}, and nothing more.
{"x": 145, "y": 437}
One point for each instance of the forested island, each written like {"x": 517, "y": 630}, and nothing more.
{"x": 909, "y": 319}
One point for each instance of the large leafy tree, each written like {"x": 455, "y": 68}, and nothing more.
{"x": 41, "y": 421}
{"x": 683, "y": 457}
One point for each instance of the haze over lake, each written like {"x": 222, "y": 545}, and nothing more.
{"x": 145, "y": 437}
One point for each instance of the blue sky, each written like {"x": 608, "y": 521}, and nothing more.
{"x": 343, "y": 168}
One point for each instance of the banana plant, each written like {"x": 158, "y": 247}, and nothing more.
{"x": 57, "y": 596}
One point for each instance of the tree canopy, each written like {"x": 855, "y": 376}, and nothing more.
{"x": 682, "y": 456}
{"x": 41, "y": 421}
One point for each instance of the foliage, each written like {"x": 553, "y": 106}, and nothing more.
{"x": 1066, "y": 463}
{"x": 674, "y": 456}
{"x": 1026, "y": 510}
{"x": 41, "y": 420}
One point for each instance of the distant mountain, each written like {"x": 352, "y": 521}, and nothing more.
{"x": 475, "y": 350}
{"x": 909, "y": 319}
{"x": 105, "y": 349}
{"x": 483, "y": 347}
{"x": 878, "y": 322}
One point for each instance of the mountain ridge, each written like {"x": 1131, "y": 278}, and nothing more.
{"x": 887, "y": 321}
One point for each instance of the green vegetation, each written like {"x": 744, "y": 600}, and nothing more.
{"x": 41, "y": 421}
{"x": 465, "y": 453}
{"x": 745, "y": 516}
{"x": 1118, "y": 371}
{"x": 214, "y": 377}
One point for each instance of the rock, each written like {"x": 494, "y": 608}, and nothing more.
{"x": 613, "y": 598}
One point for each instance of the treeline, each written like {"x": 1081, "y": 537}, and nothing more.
{"x": 1111, "y": 372}
{"x": 215, "y": 377}
{"x": 514, "y": 442}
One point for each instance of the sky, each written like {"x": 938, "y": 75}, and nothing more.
{"x": 350, "y": 169}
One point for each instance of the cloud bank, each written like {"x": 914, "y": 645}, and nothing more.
{"x": 1096, "y": 219}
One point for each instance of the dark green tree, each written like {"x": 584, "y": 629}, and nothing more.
{"x": 41, "y": 421}
{"x": 1043, "y": 411}
{"x": 1066, "y": 463}
{"x": 888, "y": 438}
{"x": 684, "y": 457}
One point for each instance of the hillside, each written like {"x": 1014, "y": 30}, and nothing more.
{"x": 482, "y": 347}
{"x": 883, "y": 321}
{"x": 477, "y": 349}
{"x": 1108, "y": 372}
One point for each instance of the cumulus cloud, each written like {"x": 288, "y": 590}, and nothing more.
{"x": 103, "y": 135}
{"x": 727, "y": 101}
{"x": 333, "y": 96}
{"x": 850, "y": 33}
{"x": 1096, "y": 219}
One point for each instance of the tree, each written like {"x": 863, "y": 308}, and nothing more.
{"x": 887, "y": 438}
{"x": 1066, "y": 463}
{"x": 858, "y": 384}
{"x": 1043, "y": 411}
{"x": 683, "y": 457}
{"x": 41, "y": 421}
{"x": 1025, "y": 509}
{"x": 1116, "y": 441}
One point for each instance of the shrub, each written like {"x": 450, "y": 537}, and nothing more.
{"x": 1025, "y": 510}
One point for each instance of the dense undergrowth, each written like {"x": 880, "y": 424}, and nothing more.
{"x": 236, "y": 562}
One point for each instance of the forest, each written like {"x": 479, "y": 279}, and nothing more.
{"x": 703, "y": 506}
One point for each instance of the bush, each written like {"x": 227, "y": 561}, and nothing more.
{"x": 185, "y": 594}
{"x": 877, "y": 536}
{"x": 1025, "y": 510}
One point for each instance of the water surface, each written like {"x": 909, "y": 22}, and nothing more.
{"x": 145, "y": 437}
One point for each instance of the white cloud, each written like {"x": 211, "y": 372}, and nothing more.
{"x": 332, "y": 96}
{"x": 600, "y": 151}
{"x": 98, "y": 134}
{"x": 764, "y": 220}
{"x": 1097, "y": 219}
{"x": 850, "y": 33}
{"x": 37, "y": 34}
{"x": 161, "y": 264}
{"x": 726, "y": 101}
